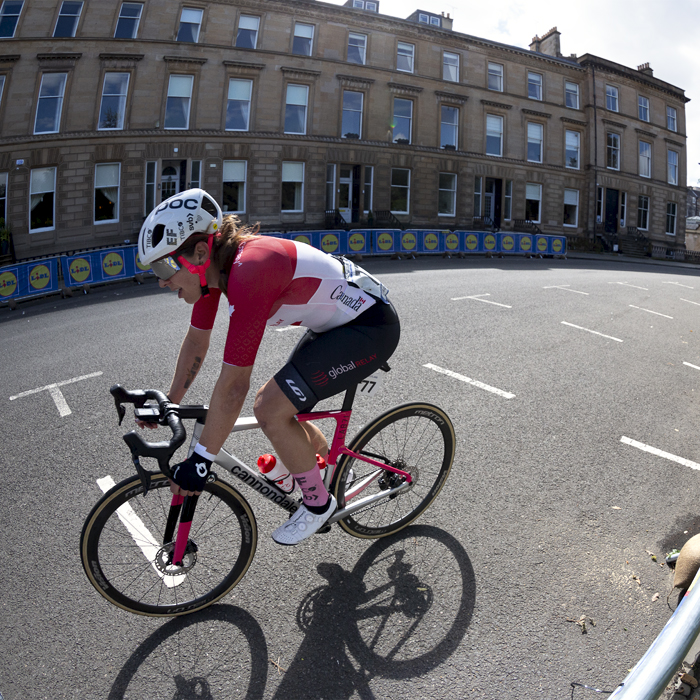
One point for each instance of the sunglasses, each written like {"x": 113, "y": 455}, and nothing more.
{"x": 164, "y": 268}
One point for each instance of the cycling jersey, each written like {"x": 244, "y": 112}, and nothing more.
{"x": 275, "y": 282}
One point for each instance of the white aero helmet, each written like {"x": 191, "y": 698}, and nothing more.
{"x": 171, "y": 223}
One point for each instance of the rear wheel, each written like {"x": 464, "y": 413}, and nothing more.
{"x": 417, "y": 438}
{"x": 128, "y": 563}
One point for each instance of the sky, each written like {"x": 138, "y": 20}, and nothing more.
{"x": 663, "y": 33}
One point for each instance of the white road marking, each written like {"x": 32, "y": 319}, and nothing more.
{"x": 627, "y": 284}
{"x": 473, "y": 382}
{"x": 565, "y": 287}
{"x": 678, "y": 284}
{"x": 477, "y": 297}
{"x": 656, "y": 313}
{"x": 140, "y": 533}
{"x": 689, "y": 365}
{"x": 56, "y": 394}
{"x": 588, "y": 330}
{"x": 691, "y": 302}
{"x": 660, "y": 453}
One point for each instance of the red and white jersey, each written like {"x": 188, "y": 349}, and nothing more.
{"x": 274, "y": 282}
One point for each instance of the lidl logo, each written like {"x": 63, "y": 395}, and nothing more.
{"x": 472, "y": 242}
{"x": 8, "y": 284}
{"x": 508, "y": 242}
{"x": 490, "y": 242}
{"x": 408, "y": 241}
{"x": 112, "y": 264}
{"x": 330, "y": 243}
{"x": 385, "y": 241}
{"x": 356, "y": 242}
{"x": 452, "y": 241}
{"x": 303, "y": 239}
{"x": 39, "y": 276}
{"x": 557, "y": 245}
{"x": 542, "y": 244}
{"x": 140, "y": 265}
{"x": 430, "y": 241}
{"x": 79, "y": 269}
{"x": 525, "y": 243}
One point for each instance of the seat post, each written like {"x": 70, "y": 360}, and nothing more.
{"x": 349, "y": 398}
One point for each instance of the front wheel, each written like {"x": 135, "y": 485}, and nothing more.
{"x": 126, "y": 560}
{"x": 417, "y": 438}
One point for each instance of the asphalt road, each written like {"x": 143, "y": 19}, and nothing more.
{"x": 547, "y": 516}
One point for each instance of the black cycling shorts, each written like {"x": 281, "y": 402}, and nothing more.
{"x": 325, "y": 364}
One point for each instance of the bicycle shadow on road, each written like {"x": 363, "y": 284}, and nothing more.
{"x": 400, "y": 613}
{"x": 218, "y": 652}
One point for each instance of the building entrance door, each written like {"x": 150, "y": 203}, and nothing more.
{"x": 493, "y": 194}
{"x": 172, "y": 178}
{"x": 349, "y": 192}
{"x": 612, "y": 200}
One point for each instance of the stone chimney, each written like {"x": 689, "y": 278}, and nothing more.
{"x": 646, "y": 69}
{"x": 549, "y": 44}
{"x": 447, "y": 22}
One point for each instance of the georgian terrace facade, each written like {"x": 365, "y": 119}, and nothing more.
{"x": 283, "y": 111}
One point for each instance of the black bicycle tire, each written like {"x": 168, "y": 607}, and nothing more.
{"x": 425, "y": 411}
{"x": 131, "y": 489}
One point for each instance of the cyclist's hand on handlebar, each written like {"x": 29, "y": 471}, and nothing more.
{"x": 190, "y": 476}
{"x": 145, "y": 424}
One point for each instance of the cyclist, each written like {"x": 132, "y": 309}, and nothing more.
{"x": 352, "y": 330}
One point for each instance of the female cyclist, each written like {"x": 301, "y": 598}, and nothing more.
{"x": 352, "y": 330}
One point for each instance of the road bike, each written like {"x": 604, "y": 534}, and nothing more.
{"x": 153, "y": 553}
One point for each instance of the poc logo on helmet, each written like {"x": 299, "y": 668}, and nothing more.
{"x": 177, "y": 204}
{"x": 296, "y": 389}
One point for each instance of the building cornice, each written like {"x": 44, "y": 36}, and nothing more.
{"x": 543, "y": 115}
{"x": 569, "y": 120}
{"x": 58, "y": 56}
{"x": 617, "y": 125}
{"x": 300, "y": 73}
{"x": 403, "y": 89}
{"x": 185, "y": 59}
{"x": 354, "y": 81}
{"x": 121, "y": 56}
{"x": 10, "y": 58}
{"x": 451, "y": 97}
{"x": 674, "y": 143}
{"x": 650, "y": 134}
{"x": 500, "y": 105}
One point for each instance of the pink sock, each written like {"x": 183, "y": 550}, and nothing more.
{"x": 314, "y": 492}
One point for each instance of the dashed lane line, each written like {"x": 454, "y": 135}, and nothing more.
{"x": 660, "y": 453}
{"x": 565, "y": 287}
{"x": 473, "y": 382}
{"x": 477, "y": 297}
{"x": 687, "y": 364}
{"x": 691, "y": 302}
{"x": 649, "y": 311}
{"x": 588, "y": 330}
{"x": 678, "y": 284}
{"x": 627, "y": 284}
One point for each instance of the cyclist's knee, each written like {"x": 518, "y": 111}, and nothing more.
{"x": 272, "y": 406}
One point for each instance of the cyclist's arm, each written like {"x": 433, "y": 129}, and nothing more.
{"x": 225, "y": 406}
{"x": 189, "y": 362}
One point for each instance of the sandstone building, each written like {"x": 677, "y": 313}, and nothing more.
{"x": 285, "y": 110}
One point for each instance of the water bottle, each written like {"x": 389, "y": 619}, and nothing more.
{"x": 320, "y": 462}
{"x": 273, "y": 470}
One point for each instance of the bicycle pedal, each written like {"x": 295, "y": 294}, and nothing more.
{"x": 326, "y": 528}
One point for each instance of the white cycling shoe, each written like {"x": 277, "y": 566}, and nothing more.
{"x": 303, "y": 524}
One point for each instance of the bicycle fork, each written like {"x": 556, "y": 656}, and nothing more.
{"x": 181, "y": 507}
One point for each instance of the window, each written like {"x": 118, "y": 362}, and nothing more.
{"x": 450, "y": 67}
{"x": 613, "y": 157}
{"x": 371, "y": 6}
{"x": 571, "y": 208}
{"x": 292, "y": 186}
{"x": 67, "y": 21}
{"x": 508, "y": 201}
{"x": 113, "y": 104}
{"x": 295, "y": 110}
{"x": 128, "y": 22}
{"x": 303, "y": 39}
{"x": 2, "y": 86}
{"x": 403, "y": 116}
{"x": 196, "y": 174}
{"x": 423, "y": 18}
{"x": 644, "y": 159}
{"x": 369, "y": 187}
{"x": 404, "y": 57}
{"x": 50, "y": 103}
{"x": 352, "y": 115}
{"x": 671, "y": 218}
{"x": 190, "y": 24}
{"x": 177, "y": 105}
{"x": 672, "y": 168}
{"x": 494, "y": 135}
{"x": 234, "y": 186}
{"x": 599, "y": 206}
{"x": 357, "y": 48}
{"x": 106, "y": 193}
{"x": 330, "y": 186}
{"x": 643, "y": 106}
{"x": 447, "y": 194}
{"x": 9, "y": 16}
{"x": 643, "y": 213}
{"x": 573, "y": 149}
{"x": 477, "y": 196}
{"x": 535, "y": 136}
{"x": 571, "y": 93}
{"x": 150, "y": 193}
{"x": 435, "y": 21}
{"x": 623, "y": 209}
{"x": 533, "y": 197}
{"x": 238, "y": 104}
{"x": 495, "y": 77}
{"x": 247, "y": 37}
{"x": 42, "y": 187}
{"x": 671, "y": 122}
{"x": 534, "y": 86}
{"x": 449, "y": 121}
{"x": 400, "y": 190}
{"x": 611, "y": 98}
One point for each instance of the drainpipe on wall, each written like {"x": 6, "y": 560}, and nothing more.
{"x": 595, "y": 156}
